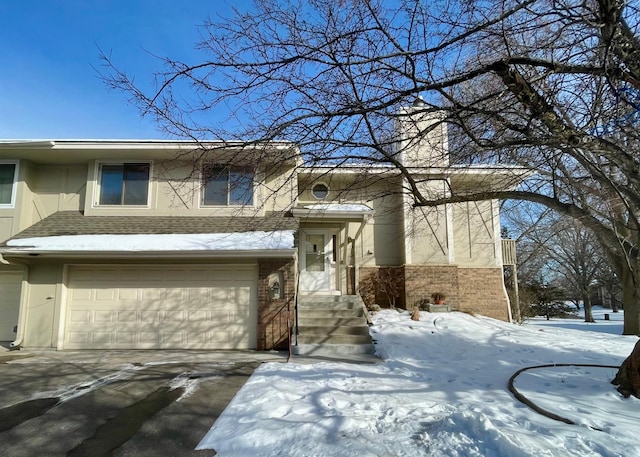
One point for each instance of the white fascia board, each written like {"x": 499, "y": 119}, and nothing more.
{"x": 348, "y": 170}
{"x": 421, "y": 171}
{"x": 143, "y": 144}
{"x": 13, "y": 144}
{"x": 305, "y": 213}
{"x": 66, "y": 151}
{"x": 239, "y": 254}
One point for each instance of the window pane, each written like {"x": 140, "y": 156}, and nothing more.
{"x": 7, "y": 172}
{"x": 111, "y": 184}
{"x": 314, "y": 253}
{"x": 215, "y": 186}
{"x": 136, "y": 183}
{"x": 241, "y": 187}
{"x": 320, "y": 191}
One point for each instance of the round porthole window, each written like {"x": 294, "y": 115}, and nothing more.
{"x": 320, "y": 190}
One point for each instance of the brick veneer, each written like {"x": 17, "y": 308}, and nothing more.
{"x": 482, "y": 291}
{"x": 423, "y": 280}
{"x": 274, "y": 315}
{"x": 479, "y": 290}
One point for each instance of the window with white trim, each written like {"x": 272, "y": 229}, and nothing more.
{"x": 227, "y": 186}
{"x": 320, "y": 191}
{"x": 7, "y": 183}
{"x": 124, "y": 184}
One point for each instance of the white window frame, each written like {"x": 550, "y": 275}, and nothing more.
{"x": 14, "y": 187}
{"x": 202, "y": 187}
{"x": 98, "y": 181}
{"x": 320, "y": 183}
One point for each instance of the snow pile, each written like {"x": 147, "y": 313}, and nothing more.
{"x": 67, "y": 393}
{"x": 250, "y": 241}
{"x": 441, "y": 390}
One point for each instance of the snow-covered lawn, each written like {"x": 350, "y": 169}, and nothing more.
{"x": 441, "y": 390}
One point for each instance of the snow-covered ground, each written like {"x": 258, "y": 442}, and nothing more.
{"x": 441, "y": 390}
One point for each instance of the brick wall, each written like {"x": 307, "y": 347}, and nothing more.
{"x": 423, "y": 280}
{"x": 274, "y": 314}
{"x": 370, "y": 275}
{"x": 467, "y": 289}
{"x": 481, "y": 291}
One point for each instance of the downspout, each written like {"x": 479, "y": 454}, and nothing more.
{"x": 22, "y": 309}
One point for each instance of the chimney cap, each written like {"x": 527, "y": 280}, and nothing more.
{"x": 418, "y": 102}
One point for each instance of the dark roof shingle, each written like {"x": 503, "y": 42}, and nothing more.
{"x": 75, "y": 223}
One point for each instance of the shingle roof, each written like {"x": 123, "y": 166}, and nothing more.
{"x": 75, "y": 223}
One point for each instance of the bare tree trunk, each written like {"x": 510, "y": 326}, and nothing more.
{"x": 628, "y": 377}
{"x": 588, "y": 314}
{"x": 630, "y": 300}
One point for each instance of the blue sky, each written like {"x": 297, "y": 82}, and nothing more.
{"x": 49, "y": 88}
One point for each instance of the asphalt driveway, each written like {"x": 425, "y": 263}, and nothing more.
{"x": 116, "y": 403}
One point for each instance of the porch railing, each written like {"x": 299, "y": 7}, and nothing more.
{"x": 509, "y": 252}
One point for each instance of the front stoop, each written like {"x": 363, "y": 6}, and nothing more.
{"x": 332, "y": 326}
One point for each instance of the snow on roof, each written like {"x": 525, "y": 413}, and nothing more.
{"x": 338, "y": 207}
{"x": 245, "y": 241}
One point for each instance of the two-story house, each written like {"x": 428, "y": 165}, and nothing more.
{"x": 176, "y": 244}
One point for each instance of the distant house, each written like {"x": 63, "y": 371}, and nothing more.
{"x": 113, "y": 244}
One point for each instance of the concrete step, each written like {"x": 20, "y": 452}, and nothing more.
{"x": 333, "y": 313}
{"x": 335, "y": 350}
{"x": 333, "y": 339}
{"x": 330, "y": 324}
{"x": 334, "y": 330}
{"x": 328, "y": 305}
{"x": 328, "y": 298}
{"x": 328, "y": 321}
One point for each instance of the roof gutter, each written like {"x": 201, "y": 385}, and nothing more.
{"x": 243, "y": 254}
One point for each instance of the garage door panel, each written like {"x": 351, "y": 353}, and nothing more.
{"x": 148, "y": 338}
{"x": 80, "y": 316}
{"x": 198, "y": 315}
{"x": 128, "y": 338}
{"x": 200, "y": 295}
{"x": 173, "y": 316}
{"x": 175, "y": 295}
{"x": 172, "y": 339}
{"x": 105, "y": 294}
{"x": 103, "y": 316}
{"x": 81, "y": 294}
{"x": 126, "y": 315}
{"x": 79, "y": 338}
{"x": 197, "y": 338}
{"x": 149, "y": 316}
{"x": 175, "y": 307}
{"x": 100, "y": 338}
{"x": 128, "y": 294}
{"x": 151, "y": 294}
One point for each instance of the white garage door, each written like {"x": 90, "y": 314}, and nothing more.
{"x": 10, "y": 284}
{"x": 169, "y": 307}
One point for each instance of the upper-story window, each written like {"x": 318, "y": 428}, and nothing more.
{"x": 227, "y": 186}
{"x": 7, "y": 183}
{"x": 320, "y": 191}
{"x": 124, "y": 184}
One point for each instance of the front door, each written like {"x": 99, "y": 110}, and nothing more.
{"x": 316, "y": 256}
